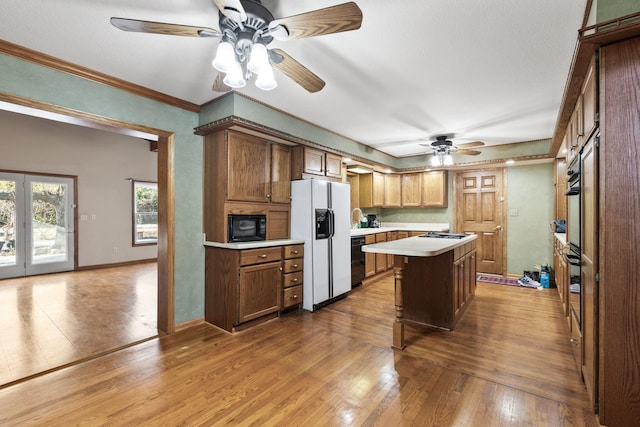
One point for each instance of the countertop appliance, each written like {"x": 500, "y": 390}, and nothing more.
{"x": 246, "y": 228}
{"x": 374, "y": 220}
{"x": 320, "y": 217}
{"x": 357, "y": 261}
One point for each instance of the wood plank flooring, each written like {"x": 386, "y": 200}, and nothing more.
{"x": 508, "y": 363}
{"x": 52, "y": 320}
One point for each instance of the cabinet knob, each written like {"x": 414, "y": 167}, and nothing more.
{"x": 461, "y": 264}
{"x": 574, "y": 341}
{"x": 268, "y": 196}
{"x": 262, "y": 256}
{"x": 295, "y": 279}
{"x": 295, "y": 252}
{"x": 295, "y": 296}
{"x": 295, "y": 265}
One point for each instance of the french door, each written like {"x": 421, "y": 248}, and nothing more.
{"x": 36, "y": 224}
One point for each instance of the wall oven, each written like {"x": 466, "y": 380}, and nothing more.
{"x": 573, "y": 237}
{"x": 246, "y": 228}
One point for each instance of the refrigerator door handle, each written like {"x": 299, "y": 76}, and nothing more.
{"x": 332, "y": 221}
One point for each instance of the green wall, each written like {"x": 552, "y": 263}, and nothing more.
{"x": 529, "y": 237}
{"x": 611, "y": 9}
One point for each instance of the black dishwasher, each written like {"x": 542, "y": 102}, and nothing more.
{"x": 357, "y": 261}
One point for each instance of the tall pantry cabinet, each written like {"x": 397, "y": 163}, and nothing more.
{"x": 619, "y": 234}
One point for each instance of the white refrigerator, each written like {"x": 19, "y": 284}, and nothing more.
{"x": 320, "y": 216}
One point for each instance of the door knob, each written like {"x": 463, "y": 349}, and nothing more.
{"x": 498, "y": 228}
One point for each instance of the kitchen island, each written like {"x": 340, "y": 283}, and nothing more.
{"x": 434, "y": 280}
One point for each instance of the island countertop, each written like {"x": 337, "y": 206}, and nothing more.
{"x": 418, "y": 246}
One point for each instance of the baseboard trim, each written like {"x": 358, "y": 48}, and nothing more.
{"x": 117, "y": 264}
{"x": 189, "y": 324}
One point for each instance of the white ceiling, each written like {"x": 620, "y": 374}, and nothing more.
{"x": 490, "y": 70}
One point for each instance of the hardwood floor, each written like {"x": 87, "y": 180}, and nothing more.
{"x": 507, "y": 363}
{"x": 52, "y": 320}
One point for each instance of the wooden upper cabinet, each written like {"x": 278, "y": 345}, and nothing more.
{"x": 311, "y": 161}
{"x": 371, "y": 190}
{"x": 249, "y": 168}
{"x": 280, "y": 174}
{"x": 354, "y": 190}
{"x": 333, "y": 165}
{"x": 434, "y": 189}
{"x": 589, "y": 102}
{"x": 392, "y": 191}
{"x": 412, "y": 190}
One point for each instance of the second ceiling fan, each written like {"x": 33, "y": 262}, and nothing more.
{"x": 246, "y": 29}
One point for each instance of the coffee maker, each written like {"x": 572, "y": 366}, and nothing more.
{"x": 374, "y": 220}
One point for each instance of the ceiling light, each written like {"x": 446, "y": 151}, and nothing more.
{"x": 234, "y": 78}
{"x": 442, "y": 157}
{"x": 259, "y": 59}
{"x": 266, "y": 80}
{"x": 347, "y": 160}
{"x": 510, "y": 162}
{"x": 225, "y": 57}
{"x": 358, "y": 169}
{"x": 448, "y": 160}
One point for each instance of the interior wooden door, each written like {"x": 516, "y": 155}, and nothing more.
{"x": 479, "y": 209}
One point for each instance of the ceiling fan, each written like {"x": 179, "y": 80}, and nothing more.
{"x": 246, "y": 29}
{"x": 443, "y": 147}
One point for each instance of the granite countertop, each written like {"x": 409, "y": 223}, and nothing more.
{"x": 401, "y": 226}
{"x": 418, "y": 246}
{"x": 255, "y": 245}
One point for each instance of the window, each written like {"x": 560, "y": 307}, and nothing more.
{"x": 145, "y": 213}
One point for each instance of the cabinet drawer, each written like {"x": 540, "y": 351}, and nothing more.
{"x": 292, "y": 296}
{"x": 291, "y": 265}
{"x": 293, "y": 251}
{"x": 292, "y": 279}
{"x": 258, "y": 256}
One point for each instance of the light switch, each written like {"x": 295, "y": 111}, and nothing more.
{"x": 514, "y": 212}
{"x": 93, "y": 217}
{"x": 83, "y": 217}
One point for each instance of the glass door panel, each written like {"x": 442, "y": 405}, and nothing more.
{"x": 49, "y": 224}
{"x": 12, "y": 261}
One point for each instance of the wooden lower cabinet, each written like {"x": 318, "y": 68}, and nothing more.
{"x": 292, "y": 276}
{"x": 391, "y": 236}
{"x": 369, "y": 257}
{"x": 246, "y": 285}
{"x": 381, "y": 259}
{"x": 464, "y": 281}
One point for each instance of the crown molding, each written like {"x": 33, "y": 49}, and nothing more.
{"x": 57, "y": 64}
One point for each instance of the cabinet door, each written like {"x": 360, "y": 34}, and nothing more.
{"x": 333, "y": 165}
{"x": 392, "y": 191}
{"x": 259, "y": 292}
{"x": 249, "y": 168}
{"x": 378, "y": 189}
{"x": 434, "y": 189}
{"x": 280, "y": 174}
{"x": 354, "y": 192}
{"x": 589, "y": 101}
{"x": 369, "y": 257}
{"x": 313, "y": 161}
{"x": 391, "y": 236}
{"x": 412, "y": 190}
{"x": 381, "y": 259}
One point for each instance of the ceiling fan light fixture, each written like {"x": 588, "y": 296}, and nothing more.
{"x": 225, "y": 57}
{"x": 234, "y": 78}
{"x": 259, "y": 59}
{"x": 266, "y": 79}
{"x": 448, "y": 160}
{"x": 435, "y": 161}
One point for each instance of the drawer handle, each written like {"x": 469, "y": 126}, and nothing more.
{"x": 262, "y": 256}
{"x": 295, "y": 279}
{"x": 295, "y": 252}
{"x": 294, "y": 296}
{"x": 295, "y": 265}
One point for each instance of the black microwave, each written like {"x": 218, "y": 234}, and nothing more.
{"x": 246, "y": 228}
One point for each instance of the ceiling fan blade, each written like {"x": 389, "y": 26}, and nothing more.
{"x": 470, "y": 144}
{"x": 468, "y": 152}
{"x": 296, "y": 71}
{"x": 161, "y": 28}
{"x": 232, "y": 9}
{"x": 334, "y": 19}
{"x": 218, "y": 84}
